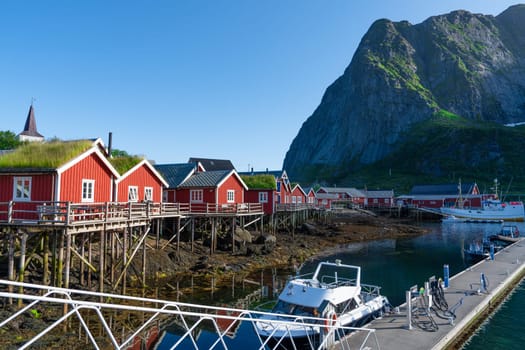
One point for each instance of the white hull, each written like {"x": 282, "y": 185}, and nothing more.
{"x": 509, "y": 212}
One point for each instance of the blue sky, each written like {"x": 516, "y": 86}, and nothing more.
{"x": 177, "y": 79}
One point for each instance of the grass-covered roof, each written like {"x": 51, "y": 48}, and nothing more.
{"x": 50, "y": 155}
{"x": 263, "y": 181}
{"x": 124, "y": 163}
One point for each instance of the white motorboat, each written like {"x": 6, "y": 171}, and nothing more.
{"x": 316, "y": 304}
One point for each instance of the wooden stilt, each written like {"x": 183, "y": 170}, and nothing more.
{"x": 54, "y": 266}
{"x": 11, "y": 260}
{"x": 112, "y": 261}
{"x": 125, "y": 258}
{"x": 67, "y": 264}
{"x": 144, "y": 264}
{"x": 45, "y": 258}
{"x": 60, "y": 269}
{"x": 22, "y": 263}
{"x": 233, "y": 234}
{"x": 67, "y": 267}
{"x": 90, "y": 257}
{"x": 192, "y": 232}
{"x": 157, "y": 231}
{"x": 178, "y": 236}
{"x": 82, "y": 263}
{"x": 102, "y": 269}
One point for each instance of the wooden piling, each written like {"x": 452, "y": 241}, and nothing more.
{"x": 22, "y": 263}
{"x": 102, "y": 269}
{"x": 60, "y": 267}
{"x": 11, "y": 260}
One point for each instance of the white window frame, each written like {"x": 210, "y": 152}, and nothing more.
{"x": 196, "y": 196}
{"x": 230, "y": 196}
{"x": 263, "y": 197}
{"x": 148, "y": 194}
{"x": 21, "y": 192}
{"x": 133, "y": 193}
{"x": 165, "y": 196}
{"x": 88, "y": 190}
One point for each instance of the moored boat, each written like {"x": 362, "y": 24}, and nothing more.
{"x": 480, "y": 250}
{"x": 507, "y": 234}
{"x": 332, "y": 296}
{"x": 491, "y": 210}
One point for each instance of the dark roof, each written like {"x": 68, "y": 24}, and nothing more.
{"x": 448, "y": 189}
{"x": 175, "y": 174}
{"x": 30, "y": 127}
{"x": 206, "y": 179}
{"x": 213, "y": 164}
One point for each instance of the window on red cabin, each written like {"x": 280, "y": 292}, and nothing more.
{"x": 88, "y": 190}
{"x": 196, "y": 196}
{"x": 263, "y": 197}
{"x": 148, "y": 193}
{"x": 22, "y": 189}
{"x": 133, "y": 194}
{"x": 230, "y": 196}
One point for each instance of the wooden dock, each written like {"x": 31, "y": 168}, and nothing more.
{"x": 97, "y": 242}
{"x": 469, "y": 302}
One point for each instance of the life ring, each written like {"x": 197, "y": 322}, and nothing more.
{"x": 329, "y": 322}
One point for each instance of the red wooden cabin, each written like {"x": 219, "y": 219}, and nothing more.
{"x": 220, "y": 188}
{"x": 298, "y": 195}
{"x": 85, "y": 177}
{"x": 140, "y": 183}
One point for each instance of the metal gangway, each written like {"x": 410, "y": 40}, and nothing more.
{"x": 92, "y": 312}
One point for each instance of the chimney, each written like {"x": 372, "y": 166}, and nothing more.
{"x": 110, "y": 143}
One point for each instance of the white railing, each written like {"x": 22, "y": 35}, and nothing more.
{"x": 190, "y": 319}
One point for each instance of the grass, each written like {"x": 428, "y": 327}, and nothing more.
{"x": 49, "y": 155}
{"x": 264, "y": 181}
{"x": 124, "y": 163}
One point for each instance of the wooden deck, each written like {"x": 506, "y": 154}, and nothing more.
{"x": 77, "y": 214}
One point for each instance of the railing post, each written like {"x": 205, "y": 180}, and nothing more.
{"x": 68, "y": 212}
{"x": 10, "y": 211}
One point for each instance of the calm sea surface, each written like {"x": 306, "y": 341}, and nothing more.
{"x": 396, "y": 265}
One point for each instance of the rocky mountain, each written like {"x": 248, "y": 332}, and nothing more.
{"x": 459, "y": 64}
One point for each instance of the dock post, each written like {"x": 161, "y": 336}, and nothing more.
{"x": 408, "y": 295}
{"x": 483, "y": 283}
{"x": 446, "y": 273}
{"x": 492, "y": 252}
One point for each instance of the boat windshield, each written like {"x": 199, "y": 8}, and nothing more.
{"x": 283, "y": 307}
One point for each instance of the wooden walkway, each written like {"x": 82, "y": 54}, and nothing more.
{"x": 465, "y": 296}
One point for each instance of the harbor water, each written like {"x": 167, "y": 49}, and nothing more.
{"x": 398, "y": 264}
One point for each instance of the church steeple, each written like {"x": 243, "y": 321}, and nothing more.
{"x": 30, "y": 133}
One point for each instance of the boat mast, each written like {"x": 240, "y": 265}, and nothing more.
{"x": 459, "y": 203}
{"x": 495, "y": 188}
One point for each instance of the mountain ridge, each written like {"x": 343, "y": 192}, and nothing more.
{"x": 464, "y": 64}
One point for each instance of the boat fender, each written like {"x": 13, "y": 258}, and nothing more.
{"x": 329, "y": 322}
